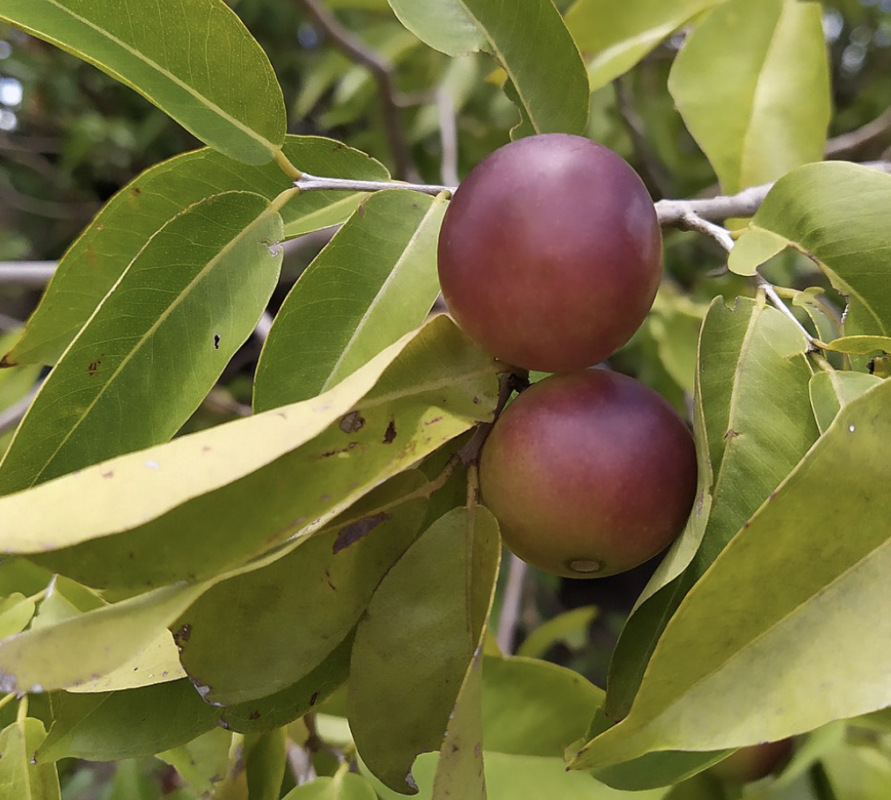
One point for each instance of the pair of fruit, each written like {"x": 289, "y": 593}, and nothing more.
{"x": 550, "y": 257}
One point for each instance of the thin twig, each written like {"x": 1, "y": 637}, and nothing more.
{"x": 510, "y": 605}
{"x": 264, "y": 325}
{"x": 777, "y": 302}
{"x": 314, "y": 183}
{"x": 652, "y": 171}
{"x": 872, "y": 131}
{"x": 692, "y": 222}
{"x": 27, "y": 273}
{"x": 383, "y": 73}
{"x": 8, "y": 323}
{"x": 448, "y": 136}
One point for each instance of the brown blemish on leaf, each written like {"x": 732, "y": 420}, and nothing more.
{"x": 361, "y": 209}
{"x": 355, "y": 531}
{"x": 478, "y": 749}
{"x": 352, "y": 422}
{"x": 93, "y": 367}
{"x": 182, "y": 636}
{"x": 136, "y": 190}
{"x": 390, "y": 434}
{"x": 216, "y": 341}
{"x": 254, "y": 715}
{"x": 433, "y": 421}
{"x": 346, "y": 449}
{"x": 314, "y": 699}
{"x": 8, "y": 361}
{"x": 328, "y": 579}
{"x": 476, "y": 401}
{"x": 731, "y": 434}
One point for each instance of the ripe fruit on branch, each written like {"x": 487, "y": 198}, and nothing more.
{"x": 753, "y": 763}
{"x": 550, "y": 253}
{"x": 589, "y": 474}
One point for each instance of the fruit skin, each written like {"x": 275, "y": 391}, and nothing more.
{"x": 753, "y": 763}
{"x": 550, "y": 253}
{"x": 590, "y": 468}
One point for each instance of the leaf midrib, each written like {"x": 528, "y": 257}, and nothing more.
{"x": 148, "y": 335}
{"x": 201, "y": 98}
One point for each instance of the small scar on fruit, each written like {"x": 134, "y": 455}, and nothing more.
{"x": 589, "y": 474}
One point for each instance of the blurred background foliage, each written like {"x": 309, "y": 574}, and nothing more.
{"x": 70, "y": 137}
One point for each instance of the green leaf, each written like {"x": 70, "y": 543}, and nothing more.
{"x": 275, "y": 710}
{"x": 90, "y": 267}
{"x": 95, "y": 643}
{"x": 234, "y": 487}
{"x": 759, "y": 651}
{"x": 765, "y": 63}
{"x": 15, "y": 614}
{"x": 156, "y": 345}
{"x": 373, "y": 283}
{"x": 655, "y": 770}
{"x": 112, "y": 726}
{"x": 860, "y": 345}
{"x": 833, "y": 213}
{"x": 824, "y": 316}
{"x": 266, "y": 762}
{"x": 416, "y": 639}
{"x": 614, "y": 37}
{"x": 193, "y": 59}
{"x": 570, "y": 627}
{"x": 203, "y": 763}
{"x": 753, "y": 390}
{"x": 260, "y": 632}
{"x": 830, "y": 391}
{"x": 460, "y": 772}
{"x": 511, "y": 776}
{"x": 19, "y": 778}
{"x": 531, "y": 42}
{"x": 534, "y": 708}
{"x": 444, "y": 25}
{"x": 343, "y": 786}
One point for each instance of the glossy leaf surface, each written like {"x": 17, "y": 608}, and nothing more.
{"x": 19, "y": 778}
{"x": 766, "y": 60}
{"x": 428, "y": 388}
{"x": 445, "y": 25}
{"x": 614, "y": 37}
{"x": 531, "y": 42}
{"x": 112, "y": 726}
{"x": 156, "y": 345}
{"x": 258, "y": 633}
{"x": 194, "y": 59}
{"x": 416, "y": 640}
{"x": 112, "y": 240}
{"x": 756, "y": 426}
{"x": 738, "y": 665}
{"x": 832, "y": 212}
{"x": 830, "y": 391}
{"x": 102, "y": 641}
{"x": 374, "y": 282}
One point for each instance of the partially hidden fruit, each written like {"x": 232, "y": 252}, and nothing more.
{"x": 753, "y": 763}
{"x": 550, "y": 253}
{"x": 589, "y": 474}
